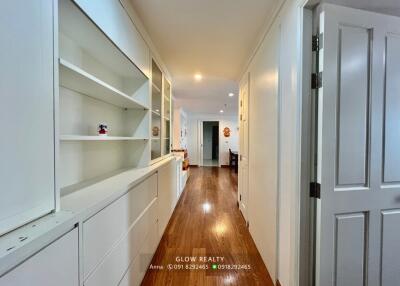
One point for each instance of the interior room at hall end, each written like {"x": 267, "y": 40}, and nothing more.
{"x": 200, "y": 143}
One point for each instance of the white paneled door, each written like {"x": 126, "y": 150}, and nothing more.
{"x": 358, "y": 214}
{"x": 244, "y": 148}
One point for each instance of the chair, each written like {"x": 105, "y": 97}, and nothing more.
{"x": 233, "y": 160}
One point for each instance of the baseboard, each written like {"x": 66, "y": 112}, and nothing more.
{"x": 193, "y": 166}
{"x": 278, "y": 283}
{"x": 224, "y": 166}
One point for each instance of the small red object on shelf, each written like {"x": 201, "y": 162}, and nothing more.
{"x": 102, "y": 129}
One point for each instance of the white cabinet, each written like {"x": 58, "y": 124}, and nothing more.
{"x": 111, "y": 17}
{"x": 57, "y": 264}
{"x": 101, "y": 232}
{"x": 99, "y": 85}
{"x": 136, "y": 271}
{"x": 167, "y": 194}
{"x": 135, "y": 247}
{"x": 160, "y": 113}
{"x": 117, "y": 235}
{"x": 26, "y": 111}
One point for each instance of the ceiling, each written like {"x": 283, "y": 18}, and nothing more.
{"x": 211, "y": 37}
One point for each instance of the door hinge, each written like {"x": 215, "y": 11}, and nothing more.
{"x": 316, "y": 80}
{"x": 240, "y": 157}
{"x": 315, "y": 190}
{"x": 240, "y": 117}
{"x": 317, "y": 42}
{"x": 241, "y": 103}
{"x": 240, "y": 197}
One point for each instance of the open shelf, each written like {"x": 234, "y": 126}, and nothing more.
{"x": 156, "y": 88}
{"x": 99, "y": 84}
{"x": 97, "y": 138}
{"x": 156, "y": 113}
{"x": 76, "y": 79}
{"x": 85, "y": 46}
{"x": 85, "y": 160}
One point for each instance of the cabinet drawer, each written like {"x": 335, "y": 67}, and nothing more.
{"x": 138, "y": 268}
{"x": 102, "y": 231}
{"x": 57, "y": 264}
{"x": 116, "y": 263}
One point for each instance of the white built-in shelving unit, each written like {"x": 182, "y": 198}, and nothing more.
{"x": 99, "y": 84}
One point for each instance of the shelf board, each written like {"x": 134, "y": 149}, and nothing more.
{"x": 156, "y": 113}
{"x": 155, "y": 138}
{"x": 156, "y": 87}
{"x": 77, "y": 26}
{"x": 98, "y": 138}
{"x": 75, "y": 78}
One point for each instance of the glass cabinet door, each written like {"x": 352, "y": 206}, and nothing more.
{"x": 167, "y": 118}
{"x": 156, "y": 110}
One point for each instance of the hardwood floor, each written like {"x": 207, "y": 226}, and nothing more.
{"x": 207, "y": 224}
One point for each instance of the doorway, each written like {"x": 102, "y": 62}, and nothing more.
{"x": 210, "y": 143}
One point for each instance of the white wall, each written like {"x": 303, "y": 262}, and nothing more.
{"x": 224, "y": 143}
{"x": 263, "y": 149}
{"x": 274, "y": 153}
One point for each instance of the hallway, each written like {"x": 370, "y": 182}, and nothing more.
{"x": 207, "y": 222}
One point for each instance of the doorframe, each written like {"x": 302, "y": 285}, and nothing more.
{"x": 200, "y": 141}
{"x": 244, "y": 83}
{"x": 303, "y": 262}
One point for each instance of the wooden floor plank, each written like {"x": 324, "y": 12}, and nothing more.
{"x": 207, "y": 222}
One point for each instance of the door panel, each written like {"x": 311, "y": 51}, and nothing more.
{"x": 358, "y": 154}
{"x": 353, "y": 106}
{"x": 392, "y": 110}
{"x": 390, "y": 247}
{"x": 350, "y": 238}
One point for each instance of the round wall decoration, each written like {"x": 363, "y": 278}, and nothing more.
{"x": 156, "y": 131}
{"x": 227, "y": 132}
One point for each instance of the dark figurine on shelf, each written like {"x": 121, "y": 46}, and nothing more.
{"x": 102, "y": 129}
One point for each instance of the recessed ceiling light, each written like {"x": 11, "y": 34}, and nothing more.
{"x": 221, "y": 111}
{"x": 198, "y": 77}
{"x": 231, "y": 94}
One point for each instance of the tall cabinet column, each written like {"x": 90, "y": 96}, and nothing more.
{"x": 27, "y": 145}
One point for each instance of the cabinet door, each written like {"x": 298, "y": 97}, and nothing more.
{"x": 166, "y": 118}
{"x": 57, "y": 264}
{"x": 156, "y": 110}
{"x": 26, "y": 111}
{"x": 167, "y": 194}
